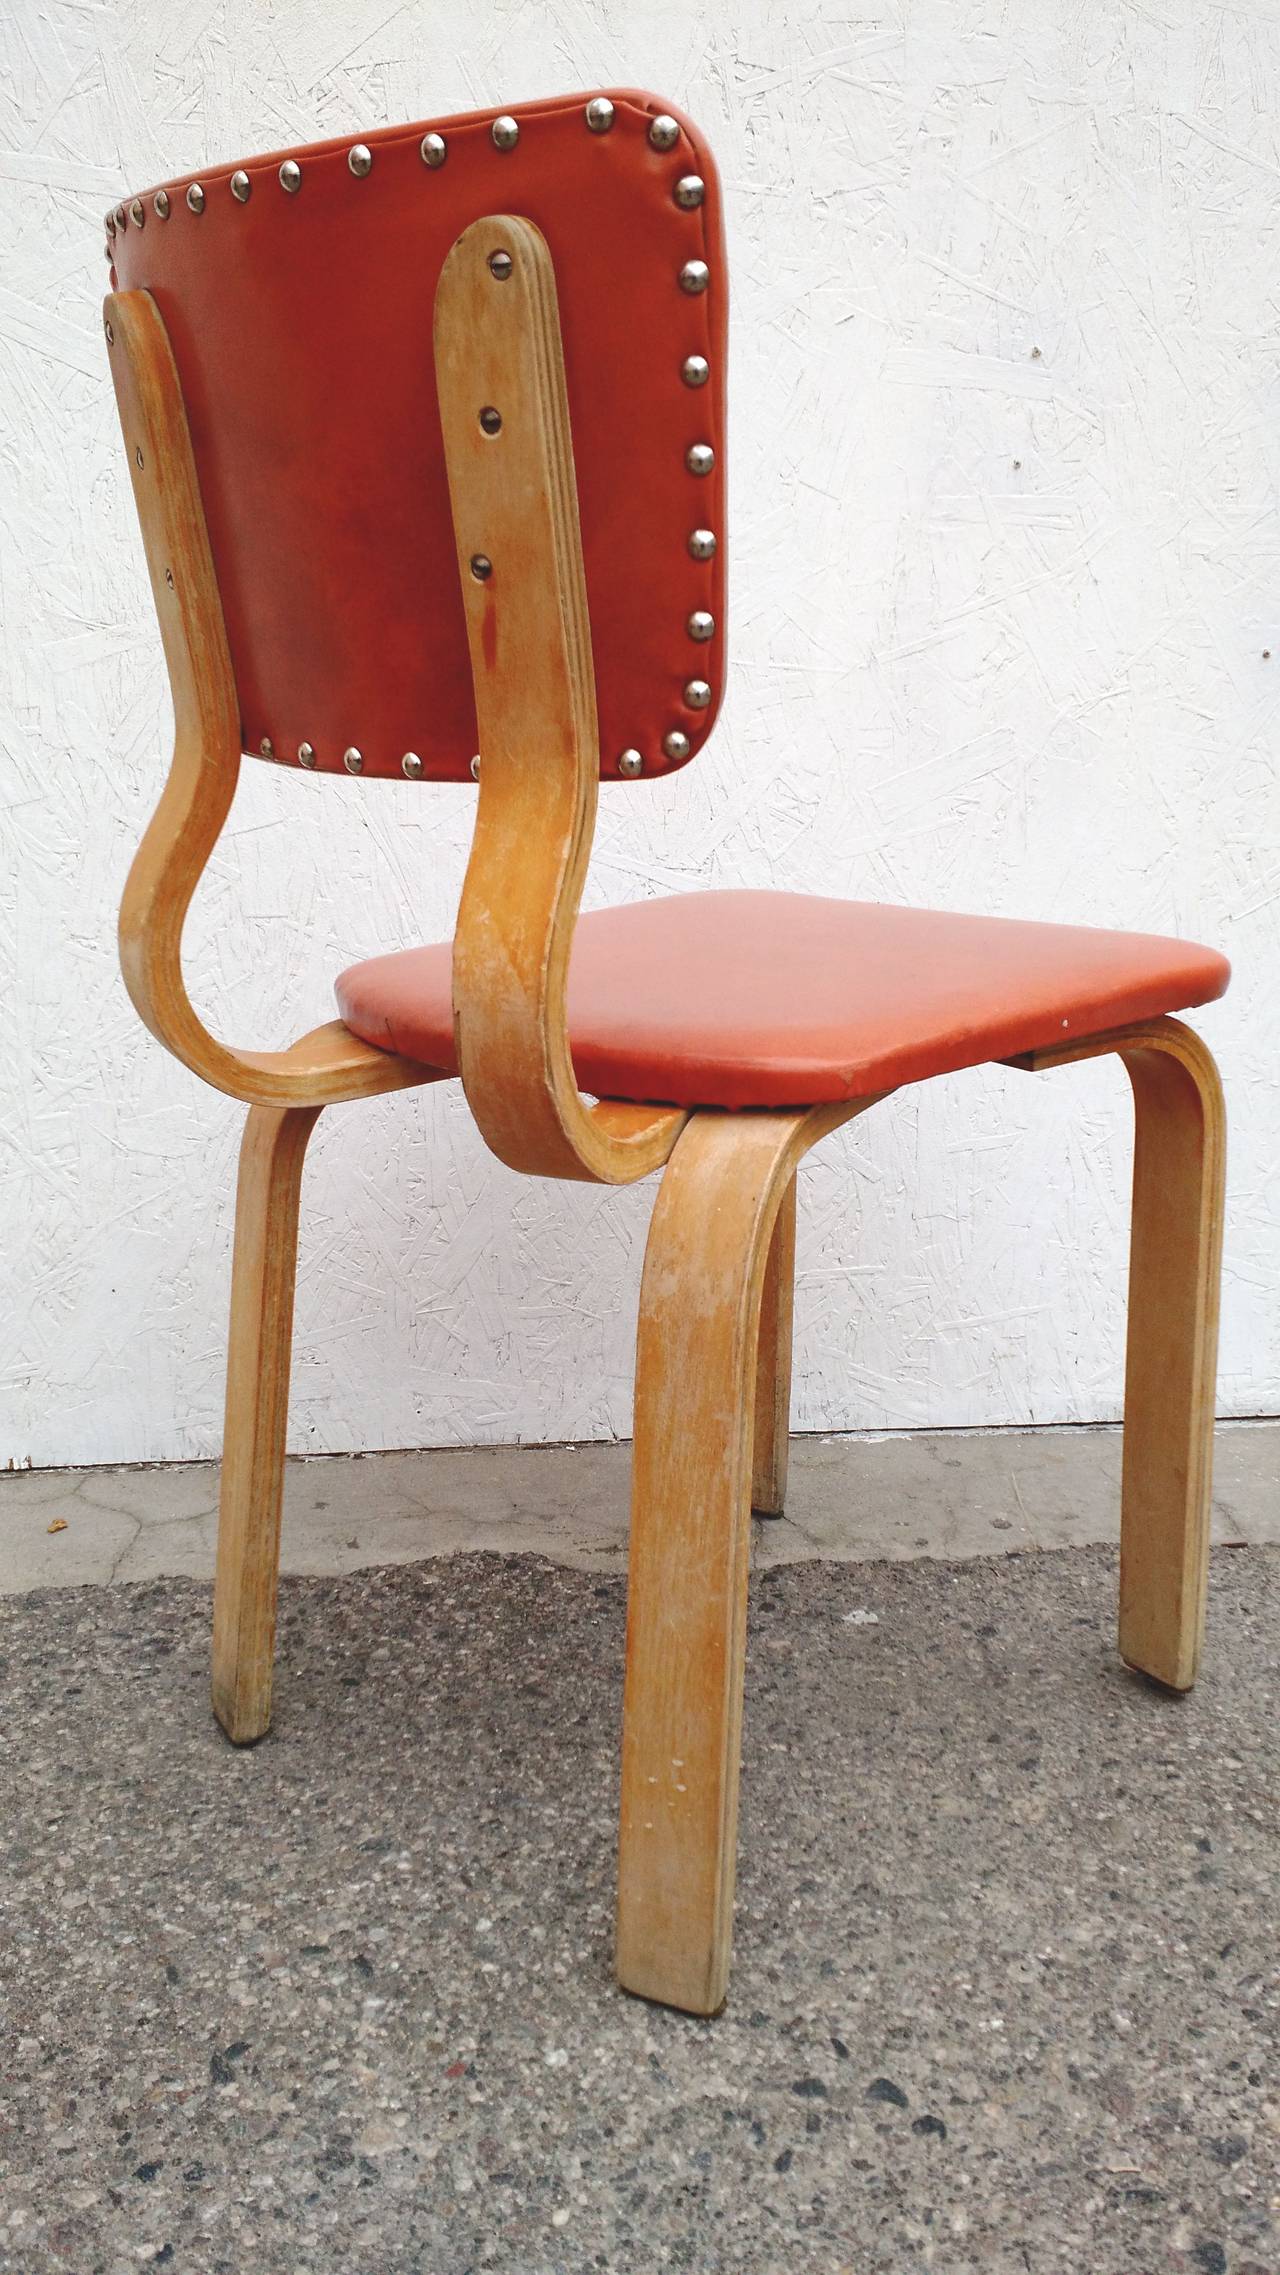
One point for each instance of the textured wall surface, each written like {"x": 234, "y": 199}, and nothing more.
{"x": 1003, "y": 585}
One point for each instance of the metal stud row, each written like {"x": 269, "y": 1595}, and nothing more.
{"x": 599, "y": 114}
{"x": 411, "y": 765}
{"x": 694, "y": 277}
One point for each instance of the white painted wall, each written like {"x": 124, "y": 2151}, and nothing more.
{"x": 1004, "y": 564}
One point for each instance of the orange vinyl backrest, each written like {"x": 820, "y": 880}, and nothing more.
{"x": 298, "y": 290}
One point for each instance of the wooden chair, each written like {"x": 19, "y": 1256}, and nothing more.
{"x": 426, "y": 438}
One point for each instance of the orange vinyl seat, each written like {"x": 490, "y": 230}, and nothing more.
{"x": 785, "y": 999}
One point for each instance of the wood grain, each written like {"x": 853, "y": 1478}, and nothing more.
{"x": 253, "y": 1447}
{"x": 514, "y": 500}
{"x": 330, "y": 1063}
{"x": 773, "y": 1365}
{"x": 700, "y": 1307}
{"x": 1175, "y": 1264}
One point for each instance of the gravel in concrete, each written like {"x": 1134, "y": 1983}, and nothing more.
{"x": 1005, "y": 1993}
{"x": 920, "y": 1493}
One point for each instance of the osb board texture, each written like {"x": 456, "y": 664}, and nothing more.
{"x": 1004, "y": 570}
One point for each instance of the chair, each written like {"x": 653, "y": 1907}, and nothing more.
{"x": 426, "y": 437}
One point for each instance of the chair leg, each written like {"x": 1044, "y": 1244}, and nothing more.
{"x": 262, "y": 1281}
{"x": 1175, "y": 1265}
{"x": 773, "y": 1366}
{"x": 700, "y": 1310}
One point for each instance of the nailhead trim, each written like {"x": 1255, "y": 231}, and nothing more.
{"x": 694, "y": 277}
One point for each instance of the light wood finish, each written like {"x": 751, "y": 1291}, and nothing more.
{"x": 515, "y": 501}
{"x": 253, "y": 1446}
{"x": 1175, "y": 1262}
{"x": 330, "y": 1063}
{"x": 773, "y": 1365}
{"x": 700, "y": 1310}
{"x": 284, "y": 1089}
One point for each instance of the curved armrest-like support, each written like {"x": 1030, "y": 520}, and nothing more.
{"x": 508, "y": 447}
{"x": 329, "y": 1064}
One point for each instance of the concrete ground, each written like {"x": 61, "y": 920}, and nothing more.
{"x": 1005, "y": 1994}
{"x": 950, "y": 1493}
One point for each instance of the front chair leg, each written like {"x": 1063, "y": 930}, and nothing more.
{"x": 262, "y": 1282}
{"x": 1174, "y": 1270}
{"x": 700, "y": 1308}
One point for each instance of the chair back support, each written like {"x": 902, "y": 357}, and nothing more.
{"x": 297, "y": 293}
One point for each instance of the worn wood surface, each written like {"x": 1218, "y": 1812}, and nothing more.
{"x": 1175, "y": 1261}
{"x": 700, "y": 1310}
{"x": 514, "y": 499}
{"x": 253, "y": 1446}
{"x": 773, "y": 1365}
{"x": 330, "y": 1063}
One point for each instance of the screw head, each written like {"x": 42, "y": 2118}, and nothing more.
{"x": 700, "y": 624}
{"x": 695, "y": 371}
{"x": 700, "y": 458}
{"x": 291, "y": 176}
{"x": 475, "y": 768}
{"x": 168, "y": 578}
{"x": 138, "y": 213}
{"x": 160, "y": 204}
{"x": 360, "y": 159}
{"x": 353, "y": 760}
{"x": 697, "y": 694}
{"x": 411, "y": 766}
{"x": 491, "y": 420}
{"x": 481, "y": 568}
{"x": 500, "y": 265}
{"x": 110, "y": 330}
{"x": 433, "y": 150}
{"x": 695, "y": 276}
{"x": 241, "y": 186}
{"x": 195, "y": 197}
{"x": 599, "y": 114}
{"x": 702, "y": 543}
{"x": 663, "y": 132}
{"x": 122, "y": 217}
{"x": 138, "y": 459}
{"x": 306, "y": 754}
{"x": 631, "y": 763}
{"x": 689, "y": 192}
{"x": 676, "y": 744}
{"x": 111, "y": 222}
{"x": 266, "y": 748}
{"x": 505, "y": 132}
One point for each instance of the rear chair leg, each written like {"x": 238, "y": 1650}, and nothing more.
{"x": 1174, "y": 1269}
{"x": 700, "y": 1307}
{"x": 262, "y": 1281}
{"x": 773, "y": 1366}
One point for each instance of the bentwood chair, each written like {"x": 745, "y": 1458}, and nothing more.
{"x": 426, "y": 436}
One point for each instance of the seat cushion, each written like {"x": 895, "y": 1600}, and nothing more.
{"x": 780, "y": 999}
